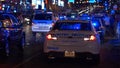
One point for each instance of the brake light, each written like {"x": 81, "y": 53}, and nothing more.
{"x": 49, "y": 37}
{"x": 92, "y": 37}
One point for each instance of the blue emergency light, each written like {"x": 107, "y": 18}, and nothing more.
{"x": 95, "y": 23}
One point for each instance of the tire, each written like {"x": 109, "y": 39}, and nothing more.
{"x": 96, "y": 59}
{"x": 47, "y": 59}
{"x": 2, "y": 50}
{"x": 22, "y": 43}
{"x": 7, "y": 46}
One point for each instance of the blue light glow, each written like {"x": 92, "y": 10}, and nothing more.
{"x": 95, "y": 24}
{"x": 71, "y": 1}
{"x": 15, "y": 11}
{"x": 92, "y": 1}
{"x": 88, "y": 18}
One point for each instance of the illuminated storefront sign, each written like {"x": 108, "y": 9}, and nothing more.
{"x": 38, "y": 3}
{"x": 92, "y": 1}
{"x": 60, "y": 3}
{"x": 71, "y": 1}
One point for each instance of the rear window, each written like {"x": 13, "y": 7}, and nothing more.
{"x": 43, "y": 17}
{"x": 72, "y": 26}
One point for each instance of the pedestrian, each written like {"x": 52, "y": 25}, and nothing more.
{"x": 107, "y": 24}
{"x": 112, "y": 24}
{"x": 118, "y": 30}
{"x": 117, "y": 24}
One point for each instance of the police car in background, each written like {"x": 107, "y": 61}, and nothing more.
{"x": 74, "y": 39}
{"x": 42, "y": 22}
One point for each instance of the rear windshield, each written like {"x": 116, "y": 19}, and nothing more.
{"x": 72, "y": 26}
{"x": 43, "y": 17}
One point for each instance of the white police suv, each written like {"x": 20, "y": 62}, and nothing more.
{"x": 72, "y": 39}
{"x": 42, "y": 22}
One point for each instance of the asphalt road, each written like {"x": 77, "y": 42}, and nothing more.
{"x": 32, "y": 56}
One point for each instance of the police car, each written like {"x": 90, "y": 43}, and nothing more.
{"x": 74, "y": 39}
{"x": 42, "y": 22}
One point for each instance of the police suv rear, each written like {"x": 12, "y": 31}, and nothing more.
{"x": 72, "y": 39}
{"x": 42, "y": 22}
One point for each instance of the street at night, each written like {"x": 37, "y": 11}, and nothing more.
{"x": 33, "y": 56}
{"x": 59, "y": 34}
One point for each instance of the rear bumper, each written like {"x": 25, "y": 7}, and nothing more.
{"x": 33, "y": 30}
{"x": 77, "y": 55}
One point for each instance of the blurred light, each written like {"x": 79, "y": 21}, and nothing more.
{"x": 0, "y": 7}
{"x": 3, "y": 8}
{"x": 92, "y": 37}
{"x": 46, "y": 1}
{"x": 71, "y": 1}
{"x": 53, "y": 1}
{"x": 92, "y": 1}
{"x": 27, "y": 19}
{"x": 95, "y": 24}
{"x": 43, "y": 5}
{"x": 88, "y": 18}
{"x": 3, "y": 5}
{"x": 72, "y": 16}
{"x": 15, "y": 11}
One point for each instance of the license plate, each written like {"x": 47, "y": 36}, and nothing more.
{"x": 43, "y": 27}
{"x": 69, "y": 54}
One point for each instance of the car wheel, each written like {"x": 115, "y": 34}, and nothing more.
{"x": 23, "y": 41}
{"x": 94, "y": 59}
{"x": 7, "y": 46}
{"x": 47, "y": 58}
{"x": 2, "y": 49}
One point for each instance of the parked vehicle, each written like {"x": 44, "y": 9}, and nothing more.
{"x": 11, "y": 32}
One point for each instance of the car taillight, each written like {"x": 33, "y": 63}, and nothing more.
{"x": 91, "y": 38}
{"x": 49, "y": 37}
